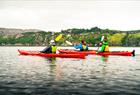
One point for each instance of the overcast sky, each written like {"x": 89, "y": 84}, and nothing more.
{"x": 56, "y": 15}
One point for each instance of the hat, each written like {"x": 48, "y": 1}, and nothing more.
{"x": 52, "y": 42}
{"x": 83, "y": 42}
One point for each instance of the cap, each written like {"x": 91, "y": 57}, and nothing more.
{"x": 52, "y": 41}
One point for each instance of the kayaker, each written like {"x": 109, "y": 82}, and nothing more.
{"x": 51, "y": 48}
{"x": 82, "y": 46}
{"x": 104, "y": 47}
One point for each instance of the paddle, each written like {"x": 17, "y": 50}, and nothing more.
{"x": 68, "y": 42}
{"x": 58, "y": 37}
{"x": 102, "y": 38}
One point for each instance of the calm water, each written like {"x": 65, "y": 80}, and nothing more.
{"x": 95, "y": 75}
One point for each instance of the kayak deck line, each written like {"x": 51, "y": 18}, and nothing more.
{"x": 71, "y": 51}
{"x": 37, "y": 53}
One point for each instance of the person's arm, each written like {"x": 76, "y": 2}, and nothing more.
{"x": 47, "y": 49}
{"x": 79, "y": 46}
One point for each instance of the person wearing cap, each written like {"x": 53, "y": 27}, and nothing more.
{"x": 82, "y": 46}
{"x": 51, "y": 48}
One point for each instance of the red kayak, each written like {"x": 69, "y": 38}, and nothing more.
{"x": 117, "y": 53}
{"x": 37, "y": 53}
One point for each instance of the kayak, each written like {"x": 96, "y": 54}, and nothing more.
{"x": 93, "y": 52}
{"x": 38, "y": 53}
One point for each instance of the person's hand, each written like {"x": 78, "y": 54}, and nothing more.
{"x": 74, "y": 44}
{"x": 100, "y": 43}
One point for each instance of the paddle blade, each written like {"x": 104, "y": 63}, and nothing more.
{"x": 58, "y": 37}
{"x": 102, "y": 38}
{"x": 69, "y": 43}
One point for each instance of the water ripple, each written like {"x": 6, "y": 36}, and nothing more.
{"x": 95, "y": 75}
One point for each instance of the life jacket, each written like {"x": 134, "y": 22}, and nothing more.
{"x": 102, "y": 48}
{"x": 106, "y": 48}
{"x": 53, "y": 49}
{"x": 84, "y": 47}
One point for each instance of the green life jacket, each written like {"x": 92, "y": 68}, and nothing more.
{"x": 102, "y": 48}
{"x": 84, "y": 47}
{"x": 53, "y": 49}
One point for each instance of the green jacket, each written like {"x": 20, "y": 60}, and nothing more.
{"x": 102, "y": 48}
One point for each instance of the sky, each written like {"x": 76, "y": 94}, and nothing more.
{"x": 57, "y": 15}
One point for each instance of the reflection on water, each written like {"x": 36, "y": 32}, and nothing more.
{"x": 55, "y": 68}
{"x": 104, "y": 58}
{"x": 95, "y": 75}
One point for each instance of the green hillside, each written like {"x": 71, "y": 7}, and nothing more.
{"x": 92, "y": 37}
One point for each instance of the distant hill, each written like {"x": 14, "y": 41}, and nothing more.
{"x": 14, "y": 31}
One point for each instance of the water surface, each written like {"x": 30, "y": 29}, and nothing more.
{"x": 95, "y": 75}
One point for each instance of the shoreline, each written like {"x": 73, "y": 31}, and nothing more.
{"x": 63, "y": 46}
